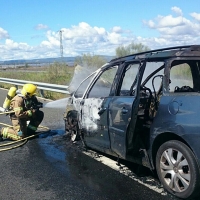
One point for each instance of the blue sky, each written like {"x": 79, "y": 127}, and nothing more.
{"x": 30, "y": 29}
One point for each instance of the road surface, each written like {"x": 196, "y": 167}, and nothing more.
{"x": 51, "y": 167}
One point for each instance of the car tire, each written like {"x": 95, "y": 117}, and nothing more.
{"x": 177, "y": 169}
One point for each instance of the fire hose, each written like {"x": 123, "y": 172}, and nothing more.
{"x": 21, "y": 141}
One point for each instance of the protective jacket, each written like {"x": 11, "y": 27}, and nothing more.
{"x": 24, "y": 113}
{"x": 23, "y": 107}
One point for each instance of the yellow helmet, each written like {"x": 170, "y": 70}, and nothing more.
{"x": 28, "y": 90}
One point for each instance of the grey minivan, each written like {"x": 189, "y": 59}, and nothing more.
{"x": 145, "y": 108}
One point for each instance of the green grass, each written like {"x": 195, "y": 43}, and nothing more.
{"x": 57, "y": 73}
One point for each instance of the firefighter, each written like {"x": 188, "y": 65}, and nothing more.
{"x": 26, "y": 116}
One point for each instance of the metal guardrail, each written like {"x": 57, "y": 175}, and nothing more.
{"x": 41, "y": 86}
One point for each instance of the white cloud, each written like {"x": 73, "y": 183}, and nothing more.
{"x": 41, "y": 27}
{"x": 77, "y": 39}
{"x": 195, "y": 15}
{"x": 177, "y": 10}
{"x": 13, "y": 50}
{"x": 53, "y": 38}
{"x": 117, "y": 29}
{"x": 3, "y": 34}
{"x": 83, "y": 38}
{"x": 11, "y": 45}
{"x": 165, "y": 21}
{"x": 174, "y": 30}
{"x": 100, "y": 30}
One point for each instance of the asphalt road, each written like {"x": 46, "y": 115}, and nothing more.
{"x": 51, "y": 167}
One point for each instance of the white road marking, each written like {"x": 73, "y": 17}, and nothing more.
{"x": 146, "y": 181}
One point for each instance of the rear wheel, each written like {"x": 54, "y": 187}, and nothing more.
{"x": 177, "y": 169}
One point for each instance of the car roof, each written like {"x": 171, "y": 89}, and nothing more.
{"x": 162, "y": 54}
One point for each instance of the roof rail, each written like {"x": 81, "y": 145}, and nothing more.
{"x": 156, "y": 51}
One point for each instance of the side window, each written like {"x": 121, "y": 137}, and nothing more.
{"x": 103, "y": 85}
{"x": 129, "y": 79}
{"x": 181, "y": 78}
{"x": 81, "y": 89}
{"x": 152, "y": 71}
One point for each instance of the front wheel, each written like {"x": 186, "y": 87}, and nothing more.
{"x": 71, "y": 125}
{"x": 177, "y": 169}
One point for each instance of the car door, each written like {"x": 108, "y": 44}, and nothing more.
{"x": 123, "y": 108}
{"x": 94, "y": 109}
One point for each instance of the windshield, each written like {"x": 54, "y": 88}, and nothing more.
{"x": 84, "y": 84}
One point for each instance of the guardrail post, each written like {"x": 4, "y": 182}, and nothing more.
{"x": 41, "y": 92}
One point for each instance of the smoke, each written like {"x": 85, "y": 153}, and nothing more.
{"x": 61, "y": 103}
{"x": 80, "y": 73}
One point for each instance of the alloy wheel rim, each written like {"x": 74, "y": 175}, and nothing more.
{"x": 175, "y": 170}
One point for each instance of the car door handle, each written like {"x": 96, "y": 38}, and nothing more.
{"x": 124, "y": 110}
{"x": 102, "y": 111}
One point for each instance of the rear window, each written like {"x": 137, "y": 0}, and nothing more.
{"x": 181, "y": 77}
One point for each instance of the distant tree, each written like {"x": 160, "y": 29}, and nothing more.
{"x": 130, "y": 49}
{"x": 90, "y": 61}
{"x": 57, "y": 72}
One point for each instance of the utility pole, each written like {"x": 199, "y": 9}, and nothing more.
{"x": 61, "y": 45}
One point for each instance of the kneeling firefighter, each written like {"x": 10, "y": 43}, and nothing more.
{"x": 26, "y": 108}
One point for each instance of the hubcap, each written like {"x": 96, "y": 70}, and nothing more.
{"x": 175, "y": 170}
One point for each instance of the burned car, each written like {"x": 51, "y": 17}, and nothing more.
{"x": 145, "y": 108}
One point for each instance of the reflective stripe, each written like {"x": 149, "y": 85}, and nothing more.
{"x": 14, "y": 137}
{"x": 29, "y": 113}
{"x": 34, "y": 128}
{"x": 6, "y": 134}
{"x": 18, "y": 108}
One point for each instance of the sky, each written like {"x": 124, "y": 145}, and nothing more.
{"x": 34, "y": 29}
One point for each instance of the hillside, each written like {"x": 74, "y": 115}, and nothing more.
{"x": 69, "y": 60}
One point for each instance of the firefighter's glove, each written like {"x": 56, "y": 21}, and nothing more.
{"x": 31, "y": 113}
{"x": 34, "y": 112}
